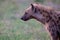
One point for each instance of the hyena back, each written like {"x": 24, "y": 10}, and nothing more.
{"x": 47, "y": 16}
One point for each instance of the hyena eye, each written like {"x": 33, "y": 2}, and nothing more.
{"x": 26, "y": 13}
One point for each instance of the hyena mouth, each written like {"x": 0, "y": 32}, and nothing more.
{"x": 24, "y": 19}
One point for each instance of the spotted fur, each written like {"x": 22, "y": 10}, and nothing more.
{"x": 47, "y": 16}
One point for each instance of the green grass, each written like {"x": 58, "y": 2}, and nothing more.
{"x": 41, "y": 1}
{"x": 13, "y": 28}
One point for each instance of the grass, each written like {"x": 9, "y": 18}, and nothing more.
{"x": 13, "y": 28}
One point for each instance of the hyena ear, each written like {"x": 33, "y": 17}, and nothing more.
{"x": 32, "y": 6}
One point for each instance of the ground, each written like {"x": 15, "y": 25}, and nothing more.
{"x": 13, "y": 28}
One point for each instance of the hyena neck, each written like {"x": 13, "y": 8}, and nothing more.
{"x": 48, "y": 15}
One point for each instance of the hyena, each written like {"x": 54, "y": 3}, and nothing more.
{"x": 48, "y": 16}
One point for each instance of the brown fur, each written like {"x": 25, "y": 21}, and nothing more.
{"x": 47, "y": 16}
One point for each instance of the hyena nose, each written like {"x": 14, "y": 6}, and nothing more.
{"x": 24, "y": 19}
{"x": 21, "y": 18}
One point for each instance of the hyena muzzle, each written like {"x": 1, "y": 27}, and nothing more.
{"x": 47, "y": 16}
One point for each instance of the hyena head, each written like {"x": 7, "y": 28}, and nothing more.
{"x": 36, "y": 11}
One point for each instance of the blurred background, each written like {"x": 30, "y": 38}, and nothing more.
{"x": 13, "y": 28}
